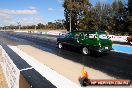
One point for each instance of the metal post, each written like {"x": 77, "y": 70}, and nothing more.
{"x": 70, "y": 20}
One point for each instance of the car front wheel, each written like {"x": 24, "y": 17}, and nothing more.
{"x": 85, "y": 51}
{"x": 60, "y": 45}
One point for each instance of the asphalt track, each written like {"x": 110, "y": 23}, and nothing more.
{"x": 115, "y": 64}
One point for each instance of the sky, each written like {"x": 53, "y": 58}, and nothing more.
{"x": 29, "y": 12}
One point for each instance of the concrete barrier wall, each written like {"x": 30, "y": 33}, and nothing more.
{"x": 112, "y": 37}
{"x": 118, "y": 38}
{"x": 18, "y": 73}
{"x": 11, "y": 72}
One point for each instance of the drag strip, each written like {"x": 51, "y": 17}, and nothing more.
{"x": 114, "y": 64}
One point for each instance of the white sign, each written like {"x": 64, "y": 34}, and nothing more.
{"x": 11, "y": 72}
{"x": 118, "y": 38}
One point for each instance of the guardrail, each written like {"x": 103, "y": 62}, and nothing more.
{"x": 18, "y": 73}
{"x": 57, "y": 33}
{"x": 118, "y": 38}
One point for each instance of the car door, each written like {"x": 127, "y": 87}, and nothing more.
{"x": 66, "y": 40}
{"x": 70, "y": 39}
{"x": 81, "y": 39}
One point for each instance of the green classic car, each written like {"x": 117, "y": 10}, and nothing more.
{"x": 86, "y": 41}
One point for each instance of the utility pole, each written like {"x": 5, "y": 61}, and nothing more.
{"x": 70, "y": 20}
{"x": 70, "y": 14}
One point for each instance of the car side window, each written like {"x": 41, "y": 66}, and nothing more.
{"x": 77, "y": 35}
{"x": 90, "y": 36}
{"x": 86, "y": 36}
{"x": 82, "y": 35}
{"x": 69, "y": 35}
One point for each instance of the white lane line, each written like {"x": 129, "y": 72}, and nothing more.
{"x": 26, "y": 69}
{"x": 56, "y": 79}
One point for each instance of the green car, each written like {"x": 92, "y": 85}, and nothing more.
{"x": 86, "y": 41}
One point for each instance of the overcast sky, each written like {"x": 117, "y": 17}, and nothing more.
{"x": 29, "y": 12}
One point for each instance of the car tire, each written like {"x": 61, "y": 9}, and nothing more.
{"x": 85, "y": 51}
{"x": 60, "y": 45}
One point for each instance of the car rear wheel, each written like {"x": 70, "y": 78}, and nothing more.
{"x": 85, "y": 51}
{"x": 60, "y": 45}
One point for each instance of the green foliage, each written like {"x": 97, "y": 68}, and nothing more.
{"x": 110, "y": 17}
{"x": 58, "y": 24}
{"x": 40, "y": 26}
{"x": 80, "y": 12}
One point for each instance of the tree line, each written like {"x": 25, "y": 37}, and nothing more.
{"x": 57, "y": 24}
{"x": 82, "y": 15}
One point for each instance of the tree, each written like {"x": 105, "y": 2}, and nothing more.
{"x": 51, "y": 25}
{"x": 80, "y": 13}
{"x": 59, "y": 24}
{"x": 40, "y": 26}
{"x": 102, "y": 15}
{"x": 122, "y": 17}
{"x": 112, "y": 17}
